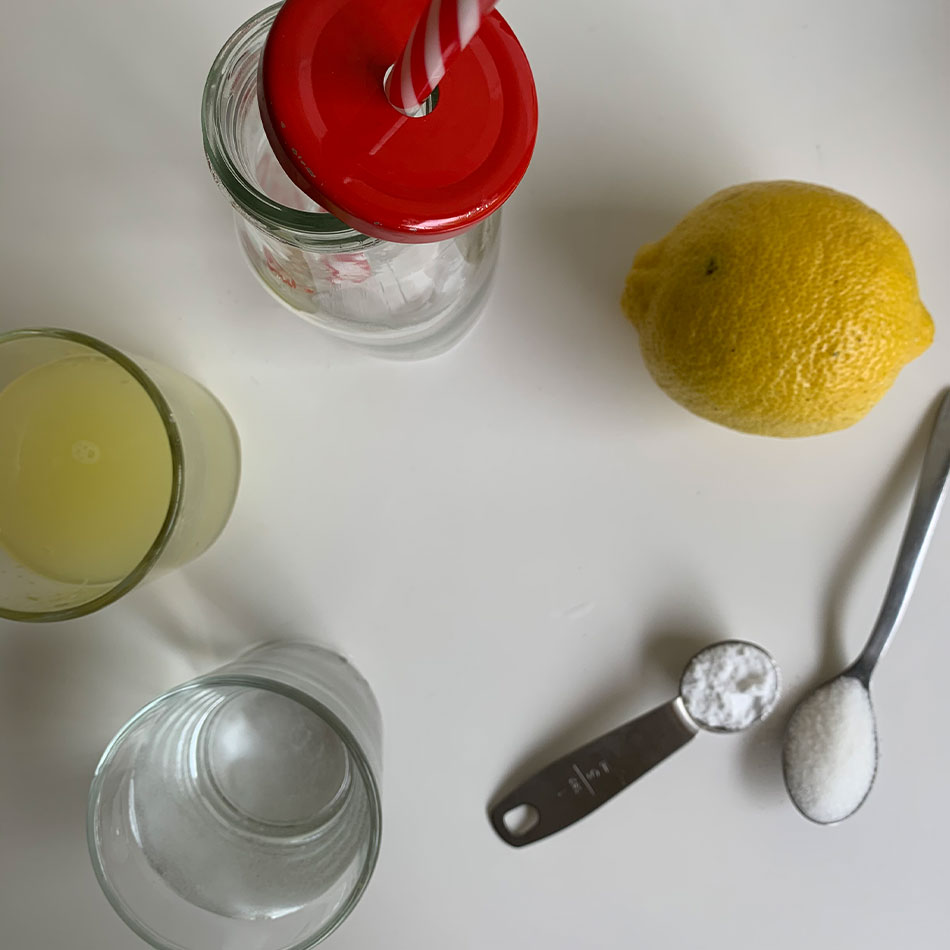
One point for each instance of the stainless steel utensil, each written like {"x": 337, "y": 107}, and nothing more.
{"x": 583, "y": 780}
{"x": 931, "y": 491}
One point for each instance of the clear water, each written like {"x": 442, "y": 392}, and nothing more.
{"x": 247, "y": 804}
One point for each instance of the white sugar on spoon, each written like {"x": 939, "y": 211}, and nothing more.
{"x": 830, "y": 752}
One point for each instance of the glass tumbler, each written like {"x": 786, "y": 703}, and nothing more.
{"x": 395, "y": 300}
{"x": 241, "y": 811}
{"x": 110, "y": 470}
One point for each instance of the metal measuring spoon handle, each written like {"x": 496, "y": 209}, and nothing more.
{"x": 575, "y": 785}
{"x": 931, "y": 489}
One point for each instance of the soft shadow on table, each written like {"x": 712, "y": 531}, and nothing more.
{"x": 64, "y": 691}
{"x": 892, "y": 497}
{"x": 97, "y": 671}
{"x": 583, "y": 340}
{"x": 761, "y": 760}
{"x": 209, "y": 620}
{"x": 660, "y": 658}
{"x": 52, "y": 305}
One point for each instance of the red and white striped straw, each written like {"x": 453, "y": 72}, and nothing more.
{"x": 442, "y": 32}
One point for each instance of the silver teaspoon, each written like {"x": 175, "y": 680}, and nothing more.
{"x": 725, "y": 687}
{"x": 830, "y": 753}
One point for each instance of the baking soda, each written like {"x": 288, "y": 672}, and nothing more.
{"x": 729, "y": 686}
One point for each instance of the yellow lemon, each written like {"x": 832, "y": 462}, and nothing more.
{"x": 779, "y": 308}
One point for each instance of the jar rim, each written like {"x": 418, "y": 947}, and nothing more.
{"x": 322, "y": 227}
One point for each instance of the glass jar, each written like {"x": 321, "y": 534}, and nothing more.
{"x": 403, "y": 301}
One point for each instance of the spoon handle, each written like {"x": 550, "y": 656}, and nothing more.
{"x": 931, "y": 490}
{"x": 574, "y": 785}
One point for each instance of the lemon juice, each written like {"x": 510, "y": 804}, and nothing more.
{"x": 85, "y": 470}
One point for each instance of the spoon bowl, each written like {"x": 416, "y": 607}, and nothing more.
{"x": 829, "y": 759}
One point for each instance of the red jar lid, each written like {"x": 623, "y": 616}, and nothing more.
{"x": 383, "y": 173}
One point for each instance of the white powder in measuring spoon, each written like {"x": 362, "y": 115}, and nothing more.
{"x": 729, "y": 686}
{"x": 830, "y": 753}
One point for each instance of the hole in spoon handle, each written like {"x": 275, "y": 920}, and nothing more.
{"x": 578, "y": 783}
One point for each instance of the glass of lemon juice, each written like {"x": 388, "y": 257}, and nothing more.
{"x": 109, "y": 470}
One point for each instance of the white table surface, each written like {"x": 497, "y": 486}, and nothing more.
{"x": 522, "y": 541}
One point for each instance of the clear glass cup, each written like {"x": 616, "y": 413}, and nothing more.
{"x": 397, "y": 300}
{"x": 242, "y": 809}
{"x": 204, "y": 456}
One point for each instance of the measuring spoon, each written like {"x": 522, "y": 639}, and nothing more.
{"x": 581, "y": 781}
{"x": 830, "y": 783}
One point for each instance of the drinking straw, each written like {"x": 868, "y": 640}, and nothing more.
{"x": 445, "y": 28}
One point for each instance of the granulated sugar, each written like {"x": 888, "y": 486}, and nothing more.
{"x": 730, "y": 685}
{"x": 830, "y": 753}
